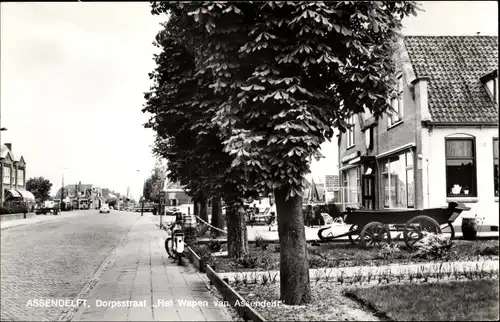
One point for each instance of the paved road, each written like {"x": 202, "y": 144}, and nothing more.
{"x": 55, "y": 259}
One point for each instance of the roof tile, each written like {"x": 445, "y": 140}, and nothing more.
{"x": 455, "y": 65}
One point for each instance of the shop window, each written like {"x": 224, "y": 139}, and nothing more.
{"x": 460, "y": 168}
{"x": 398, "y": 181}
{"x": 496, "y": 175}
{"x": 396, "y": 113}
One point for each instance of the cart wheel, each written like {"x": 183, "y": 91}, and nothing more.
{"x": 448, "y": 230}
{"x": 375, "y": 234}
{"x": 415, "y": 228}
{"x": 354, "y": 237}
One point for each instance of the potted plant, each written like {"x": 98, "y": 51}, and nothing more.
{"x": 470, "y": 227}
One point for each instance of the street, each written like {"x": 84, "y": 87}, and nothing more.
{"x": 55, "y": 259}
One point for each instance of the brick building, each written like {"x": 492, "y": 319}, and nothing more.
{"x": 440, "y": 141}
{"x": 13, "y": 176}
{"x": 175, "y": 194}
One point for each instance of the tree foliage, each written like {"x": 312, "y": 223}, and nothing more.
{"x": 271, "y": 80}
{"x": 39, "y": 187}
{"x": 153, "y": 185}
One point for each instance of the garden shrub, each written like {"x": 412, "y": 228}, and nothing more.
{"x": 5, "y": 210}
{"x": 276, "y": 248}
{"x": 190, "y": 235}
{"x": 248, "y": 261}
{"x": 259, "y": 241}
{"x": 201, "y": 230}
{"x": 387, "y": 251}
{"x": 13, "y": 209}
{"x": 434, "y": 246}
{"x": 214, "y": 245}
{"x": 487, "y": 250}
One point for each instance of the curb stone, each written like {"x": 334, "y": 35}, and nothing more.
{"x": 70, "y": 313}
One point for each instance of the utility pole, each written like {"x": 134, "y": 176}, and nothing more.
{"x": 63, "y": 207}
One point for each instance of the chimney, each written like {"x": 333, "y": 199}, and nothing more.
{"x": 9, "y": 146}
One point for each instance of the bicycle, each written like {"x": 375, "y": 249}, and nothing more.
{"x": 174, "y": 244}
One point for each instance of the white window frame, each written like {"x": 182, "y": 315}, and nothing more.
{"x": 495, "y": 161}
{"x": 6, "y": 174}
{"x": 397, "y": 104}
{"x": 473, "y": 189}
{"x": 20, "y": 177}
{"x": 351, "y": 139}
{"x": 492, "y": 86}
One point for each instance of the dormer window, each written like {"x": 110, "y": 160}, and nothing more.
{"x": 491, "y": 83}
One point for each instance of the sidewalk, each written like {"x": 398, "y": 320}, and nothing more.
{"x": 161, "y": 290}
{"x": 40, "y": 218}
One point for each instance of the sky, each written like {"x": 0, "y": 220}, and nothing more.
{"x": 72, "y": 78}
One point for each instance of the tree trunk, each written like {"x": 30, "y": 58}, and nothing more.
{"x": 216, "y": 215}
{"x": 203, "y": 208}
{"x": 196, "y": 208}
{"x": 237, "y": 241}
{"x": 294, "y": 266}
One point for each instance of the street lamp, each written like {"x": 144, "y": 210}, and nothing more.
{"x": 63, "y": 205}
{"x": 1, "y": 168}
{"x": 142, "y": 201}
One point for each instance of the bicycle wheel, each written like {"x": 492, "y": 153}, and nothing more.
{"x": 168, "y": 247}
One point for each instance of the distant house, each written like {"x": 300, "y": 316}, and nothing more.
{"x": 332, "y": 188}
{"x": 175, "y": 194}
{"x": 439, "y": 142}
{"x": 82, "y": 196}
{"x": 13, "y": 174}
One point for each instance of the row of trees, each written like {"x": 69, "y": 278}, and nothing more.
{"x": 245, "y": 93}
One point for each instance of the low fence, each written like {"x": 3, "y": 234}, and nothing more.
{"x": 232, "y": 297}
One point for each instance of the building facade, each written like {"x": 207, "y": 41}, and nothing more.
{"x": 12, "y": 174}
{"x": 81, "y": 196}
{"x": 175, "y": 194}
{"x": 439, "y": 141}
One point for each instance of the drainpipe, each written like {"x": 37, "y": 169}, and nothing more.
{"x": 428, "y": 185}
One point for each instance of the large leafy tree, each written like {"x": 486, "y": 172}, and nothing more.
{"x": 182, "y": 107}
{"x": 39, "y": 187}
{"x": 288, "y": 73}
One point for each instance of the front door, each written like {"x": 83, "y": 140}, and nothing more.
{"x": 368, "y": 191}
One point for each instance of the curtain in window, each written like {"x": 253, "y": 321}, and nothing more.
{"x": 460, "y": 167}
{"x": 459, "y": 148}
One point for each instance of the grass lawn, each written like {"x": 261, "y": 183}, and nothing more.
{"x": 444, "y": 301}
{"x": 441, "y": 301}
{"x": 340, "y": 255}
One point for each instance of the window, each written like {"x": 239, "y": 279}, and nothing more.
{"x": 396, "y": 113}
{"x": 351, "y": 187}
{"x": 173, "y": 202}
{"x": 6, "y": 175}
{"x": 350, "y": 132}
{"x": 496, "y": 176}
{"x": 492, "y": 85}
{"x": 460, "y": 168}
{"x": 20, "y": 177}
{"x": 397, "y": 176}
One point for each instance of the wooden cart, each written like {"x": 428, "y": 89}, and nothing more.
{"x": 372, "y": 228}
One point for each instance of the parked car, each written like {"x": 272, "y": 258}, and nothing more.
{"x": 104, "y": 208}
